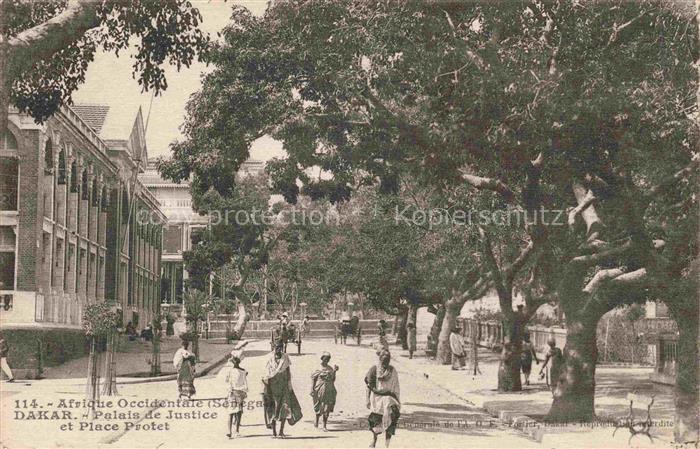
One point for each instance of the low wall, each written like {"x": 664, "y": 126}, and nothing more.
{"x": 33, "y": 348}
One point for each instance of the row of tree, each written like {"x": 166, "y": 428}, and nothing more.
{"x": 586, "y": 109}
{"x": 581, "y": 113}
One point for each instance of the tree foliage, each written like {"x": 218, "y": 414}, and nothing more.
{"x": 51, "y": 43}
{"x": 585, "y": 108}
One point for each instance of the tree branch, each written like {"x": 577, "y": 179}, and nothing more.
{"x": 600, "y": 277}
{"x": 511, "y": 270}
{"x": 632, "y": 278}
{"x": 46, "y": 39}
{"x": 616, "y": 29}
{"x": 596, "y": 258}
{"x": 586, "y": 201}
{"x": 588, "y": 213}
{"x": 496, "y": 185}
{"x": 501, "y": 288}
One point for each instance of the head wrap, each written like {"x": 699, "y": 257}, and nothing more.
{"x": 383, "y": 351}
{"x": 237, "y": 354}
{"x": 325, "y": 354}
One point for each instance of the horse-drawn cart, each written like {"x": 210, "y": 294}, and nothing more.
{"x": 290, "y": 332}
{"x": 348, "y": 328}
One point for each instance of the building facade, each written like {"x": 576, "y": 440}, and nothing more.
{"x": 76, "y": 226}
{"x": 183, "y": 225}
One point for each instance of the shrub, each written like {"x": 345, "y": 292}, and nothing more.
{"x": 99, "y": 320}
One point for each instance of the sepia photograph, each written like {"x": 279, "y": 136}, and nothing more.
{"x": 349, "y": 223}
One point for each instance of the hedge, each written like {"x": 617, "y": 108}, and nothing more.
{"x": 33, "y": 349}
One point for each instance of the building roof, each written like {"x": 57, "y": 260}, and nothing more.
{"x": 94, "y": 115}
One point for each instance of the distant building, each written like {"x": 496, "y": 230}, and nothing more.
{"x": 183, "y": 225}
{"x": 76, "y": 225}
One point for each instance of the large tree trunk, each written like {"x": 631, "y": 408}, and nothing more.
{"x": 243, "y": 319}
{"x": 509, "y": 364}
{"x": 110, "y": 386}
{"x": 435, "y": 331}
{"x": 452, "y": 309}
{"x": 686, "y": 389}
{"x": 401, "y": 332}
{"x": 574, "y": 395}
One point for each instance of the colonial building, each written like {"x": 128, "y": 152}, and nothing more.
{"x": 183, "y": 225}
{"x": 76, "y": 225}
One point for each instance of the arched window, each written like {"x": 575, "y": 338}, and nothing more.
{"x": 48, "y": 157}
{"x": 74, "y": 177}
{"x": 62, "y": 166}
{"x": 95, "y": 200}
{"x": 84, "y": 186}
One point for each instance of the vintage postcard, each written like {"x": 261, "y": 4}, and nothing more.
{"x": 349, "y": 223}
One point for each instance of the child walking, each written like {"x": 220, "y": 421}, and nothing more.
{"x": 236, "y": 380}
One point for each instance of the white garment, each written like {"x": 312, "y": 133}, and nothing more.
{"x": 456, "y": 345}
{"x": 381, "y": 405}
{"x": 180, "y": 355}
{"x": 6, "y": 368}
{"x": 234, "y": 378}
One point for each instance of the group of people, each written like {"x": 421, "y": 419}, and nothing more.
{"x": 132, "y": 334}
{"x": 280, "y": 403}
{"x": 554, "y": 357}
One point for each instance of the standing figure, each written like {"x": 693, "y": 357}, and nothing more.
{"x": 279, "y": 400}
{"x": 526, "y": 355}
{"x": 323, "y": 390}
{"x": 184, "y": 361}
{"x": 412, "y": 343}
{"x": 130, "y": 331}
{"x": 236, "y": 380}
{"x": 285, "y": 319}
{"x": 305, "y": 326}
{"x": 459, "y": 356}
{"x": 383, "y": 398}
{"x": 555, "y": 355}
{"x": 4, "y": 352}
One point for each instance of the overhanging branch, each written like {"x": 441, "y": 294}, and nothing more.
{"x": 43, "y": 41}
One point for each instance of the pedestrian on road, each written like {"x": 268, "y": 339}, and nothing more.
{"x": 323, "y": 390}
{"x": 4, "y": 352}
{"x": 526, "y": 355}
{"x": 305, "y": 325}
{"x": 236, "y": 380}
{"x": 383, "y": 398}
{"x": 412, "y": 343}
{"x": 383, "y": 342}
{"x": 554, "y": 354}
{"x": 280, "y": 402}
{"x": 184, "y": 361}
{"x": 459, "y": 355}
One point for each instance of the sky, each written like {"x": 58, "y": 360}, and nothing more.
{"x": 109, "y": 81}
